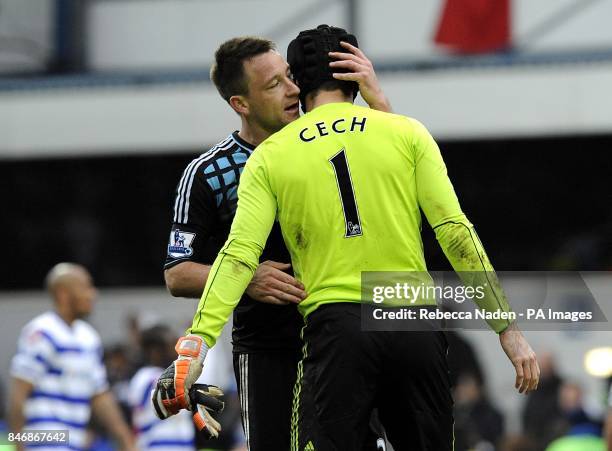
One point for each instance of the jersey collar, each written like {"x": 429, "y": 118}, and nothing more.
{"x": 241, "y": 142}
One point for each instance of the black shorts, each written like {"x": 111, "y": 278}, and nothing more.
{"x": 265, "y": 383}
{"x": 305, "y": 430}
{"x": 350, "y": 372}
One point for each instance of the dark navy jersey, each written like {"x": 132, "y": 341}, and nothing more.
{"x": 204, "y": 207}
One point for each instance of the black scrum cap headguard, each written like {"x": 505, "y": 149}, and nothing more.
{"x": 308, "y": 58}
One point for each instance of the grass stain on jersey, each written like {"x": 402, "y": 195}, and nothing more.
{"x": 462, "y": 247}
{"x": 300, "y": 238}
{"x": 238, "y": 267}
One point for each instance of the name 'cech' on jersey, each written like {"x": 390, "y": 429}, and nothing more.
{"x": 337, "y": 126}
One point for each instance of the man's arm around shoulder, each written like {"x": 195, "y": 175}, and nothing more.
{"x": 270, "y": 284}
{"x": 187, "y": 279}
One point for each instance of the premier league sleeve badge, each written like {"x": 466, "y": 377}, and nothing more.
{"x": 179, "y": 245}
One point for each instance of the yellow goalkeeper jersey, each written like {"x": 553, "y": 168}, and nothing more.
{"x": 347, "y": 185}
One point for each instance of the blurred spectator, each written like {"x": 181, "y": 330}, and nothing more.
{"x": 542, "y": 418}
{"x": 58, "y": 377}
{"x": 583, "y": 434}
{"x": 119, "y": 368}
{"x": 517, "y": 443}
{"x": 588, "y": 250}
{"x": 135, "y": 323}
{"x": 478, "y": 424}
{"x": 118, "y": 364}
{"x": 157, "y": 344}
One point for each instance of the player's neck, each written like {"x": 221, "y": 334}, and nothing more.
{"x": 65, "y": 315}
{"x": 323, "y": 97}
{"x": 252, "y": 133}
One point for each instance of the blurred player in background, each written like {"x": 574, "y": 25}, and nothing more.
{"x": 255, "y": 81}
{"x": 582, "y": 432}
{"x": 58, "y": 378}
{"x": 157, "y": 345}
{"x": 338, "y": 222}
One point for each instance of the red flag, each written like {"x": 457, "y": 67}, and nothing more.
{"x": 475, "y": 26}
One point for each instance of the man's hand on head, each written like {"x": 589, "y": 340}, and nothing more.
{"x": 361, "y": 71}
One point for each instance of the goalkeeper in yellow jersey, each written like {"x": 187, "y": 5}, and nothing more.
{"x": 347, "y": 185}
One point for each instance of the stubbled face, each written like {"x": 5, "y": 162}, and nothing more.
{"x": 272, "y": 97}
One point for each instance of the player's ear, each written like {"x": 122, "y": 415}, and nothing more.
{"x": 239, "y": 104}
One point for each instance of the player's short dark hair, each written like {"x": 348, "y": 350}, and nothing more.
{"x": 227, "y": 72}
{"x": 347, "y": 88}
